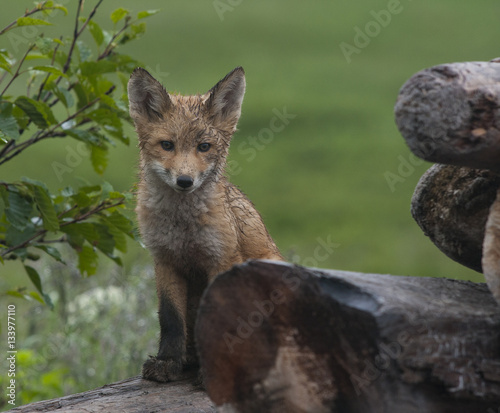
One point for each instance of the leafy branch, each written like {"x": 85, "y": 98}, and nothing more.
{"x": 40, "y": 7}
{"x": 76, "y": 93}
{"x": 15, "y": 149}
{"x": 38, "y": 236}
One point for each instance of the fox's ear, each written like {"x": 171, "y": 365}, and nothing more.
{"x": 225, "y": 98}
{"x": 147, "y": 97}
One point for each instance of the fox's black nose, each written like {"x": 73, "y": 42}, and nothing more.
{"x": 184, "y": 181}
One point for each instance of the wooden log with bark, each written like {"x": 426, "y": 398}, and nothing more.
{"x": 274, "y": 337}
{"x": 133, "y": 395}
{"x": 450, "y": 114}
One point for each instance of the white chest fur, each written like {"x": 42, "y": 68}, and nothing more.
{"x": 178, "y": 225}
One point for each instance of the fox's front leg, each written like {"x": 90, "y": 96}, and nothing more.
{"x": 172, "y": 296}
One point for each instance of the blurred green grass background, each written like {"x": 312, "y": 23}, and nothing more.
{"x": 323, "y": 177}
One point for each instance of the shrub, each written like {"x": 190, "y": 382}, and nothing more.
{"x": 74, "y": 91}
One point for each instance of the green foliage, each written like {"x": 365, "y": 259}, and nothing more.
{"x": 37, "y": 384}
{"x": 71, "y": 94}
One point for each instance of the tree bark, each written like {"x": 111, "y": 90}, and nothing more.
{"x": 129, "y": 396}
{"x": 273, "y": 337}
{"x": 451, "y": 205}
{"x": 450, "y": 114}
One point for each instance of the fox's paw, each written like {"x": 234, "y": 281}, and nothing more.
{"x": 162, "y": 370}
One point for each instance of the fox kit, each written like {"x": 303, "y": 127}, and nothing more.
{"x": 194, "y": 222}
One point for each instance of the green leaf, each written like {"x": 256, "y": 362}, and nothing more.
{"x": 21, "y": 117}
{"x": 87, "y": 260}
{"x": 49, "y": 69}
{"x": 84, "y": 51}
{"x": 39, "y": 112}
{"x": 17, "y": 294}
{"x": 81, "y": 94}
{"x": 105, "y": 241}
{"x": 5, "y": 64}
{"x": 8, "y": 123}
{"x": 15, "y": 236}
{"x": 59, "y": 41}
{"x": 138, "y": 29}
{"x": 110, "y": 122}
{"x": 97, "y": 68}
{"x": 121, "y": 222}
{"x": 34, "y": 277}
{"x": 61, "y": 58}
{"x": 120, "y": 242}
{"x": 44, "y": 203}
{"x": 36, "y": 280}
{"x": 75, "y": 239}
{"x": 96, "y": 32}
{"x": 34, "y": 295}
{"x": 119, "y": 14}
{"x": 30, "y": 21}
{"x": 84, "y": 136}
{"x": 45, "y": 45}
{"x": 106, "y": 189}
{"x": 18, "y": 211}
{"x": 63, "y": 95}
{"x": 53, "y": 252}
{"x": 135, "y": 31}
{"x": 83, "y": 229}
{"x": 99, "y": 158}
{"x": 58, "y": 6}
{"x": 146, "y": 13}
{"x": 82, "y": 199}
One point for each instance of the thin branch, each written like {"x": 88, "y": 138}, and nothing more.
{"x": 16, "y": 74}
{"x": 75, "y": 36}
{"x": 91, "y": 15}
{"x": 77, "y": 32}
{"x": 109, "y": 48}
{"x": 42, "y": 86}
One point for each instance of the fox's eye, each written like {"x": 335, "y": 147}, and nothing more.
{"x": 167, "y": 145}
{"x": 204, "y": 147}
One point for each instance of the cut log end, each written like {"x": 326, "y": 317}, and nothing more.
{"x": 274, "y": 337}
{"x": 451, "y": 205}
{"x": 450, "y": 114}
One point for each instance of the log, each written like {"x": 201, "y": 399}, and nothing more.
{"x": 450, "y": 114}
{"x": 451, "y": 205}
{"x": 131, "y": 395}
{"x": 273, "y": 337}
